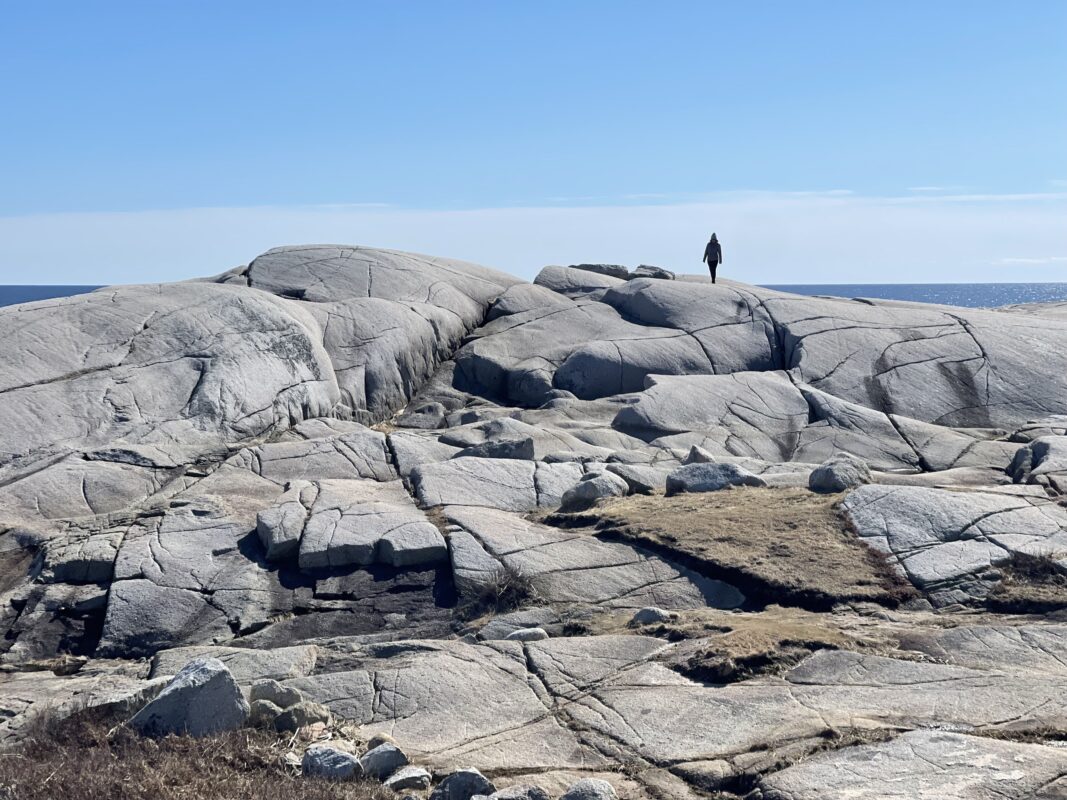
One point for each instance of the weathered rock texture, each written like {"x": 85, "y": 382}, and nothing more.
{"x": 334, "y": 468}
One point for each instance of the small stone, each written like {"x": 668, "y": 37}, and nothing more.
{"x": 323, "y": 761}
{"x": 383, "y": 761}
{"x": 527, "y": 635}
{"x": 698, "y": 455}
{"x": 408, "y": 778}
{"x": 281, "y": 696}
{"x": 263, "y": 713}
{"x": 842, "y": 471}
{"x": 649, "y": 271}
{"x": 590, "y": 789}
{"x": 650, "y": 615}
{"x": 462, "y": 785}
{"x": 202, "y": 699}
{"x": 522, "y": 792}
{"x": 592, "y": 487}
{"x": 379, "y": 739}
{"x": 300, "y": 716}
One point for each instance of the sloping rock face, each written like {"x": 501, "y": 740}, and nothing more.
{"x": 926, "y": 764}
{"x": 949, "y": 543}
{"x": 341, "y": 468}
{"x": 934, "y": 364}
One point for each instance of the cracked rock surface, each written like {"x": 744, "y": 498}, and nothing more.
{"x": 342, "y": 469}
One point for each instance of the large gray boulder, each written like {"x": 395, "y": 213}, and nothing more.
{"x": 382, "y": 761}
{"x": 202, "y": 699}
{"x": 462, "y": 784}
{"x": 841, "y": 472}
{"x": 575, "y": 281}
{"x": 330, "y": 763}
{"x": 301, "y": 715}
{"x": 1044, "y": 462}
{"x": 408, "y": 778}
{"x": 590, "y": 789}
{"x": 710, "y": 477}
{"x": 593, "y": 486}
{"x": 388, "y": 318}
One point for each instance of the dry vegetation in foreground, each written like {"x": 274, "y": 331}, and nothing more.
{"x": 1032, "y": 584}
{"x": 777, "y": 545}
{"x": 88, "y": 758}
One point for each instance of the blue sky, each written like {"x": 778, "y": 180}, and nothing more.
{"x": 522, "y": 133}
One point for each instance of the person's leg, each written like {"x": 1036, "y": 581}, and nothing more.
{"x": 714, "y": 266}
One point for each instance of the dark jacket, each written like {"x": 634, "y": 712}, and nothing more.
{"x": 713, "y": 252}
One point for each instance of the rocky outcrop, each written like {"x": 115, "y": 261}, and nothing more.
{"x": 337, "y": 469}
{"x": 925, "y": 764}
{"x": 949, "y": 543}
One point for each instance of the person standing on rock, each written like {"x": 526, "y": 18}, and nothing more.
{"x": 713, "y": 255}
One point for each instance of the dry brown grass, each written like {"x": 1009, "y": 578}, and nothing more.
{"x": 777, "y": 545}
{"x": 507, "y": 589}
{"x": 733, "y": 646}
{"x": 1032, "y": 584}
{"x": 88, "y": 758}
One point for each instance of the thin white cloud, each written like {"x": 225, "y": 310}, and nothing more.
{"x": 768, "y": 237}
{"x": 1042, "y": 260}
{"x": 978, "y": 198}
{"x": 935, "y": 189}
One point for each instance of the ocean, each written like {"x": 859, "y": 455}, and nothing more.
{"x": 969, "y": 295}
{"x": 973, "y": 295}
{"x": 12, "y": 295}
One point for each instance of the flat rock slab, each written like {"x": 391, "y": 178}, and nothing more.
{"x": 357, "y": 454}
{"x": 500, "y": 483}
{"x": 845, "y": 687}
{"x": 363, "y": 522}
{"x": 578, "y": 568}
{"x": 925, "y": 764}
{"x": 108, "y": 686}
{"x": 1008, "y": 648}
{"x": 246, "y": 665}
{"x": 949, "y": 542}
{"x": 450, "y": 702}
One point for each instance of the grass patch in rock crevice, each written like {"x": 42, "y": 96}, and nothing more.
{"x": 784, "y": 546}
{"x": 1031, "y": 584}
{"x": 506, "y": 589}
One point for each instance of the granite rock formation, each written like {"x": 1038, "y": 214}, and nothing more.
{"x": 341, "y": 469}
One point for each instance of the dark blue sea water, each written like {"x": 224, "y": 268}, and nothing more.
{"x": 975, "y": 295}
{"x": 10, "y": 295}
